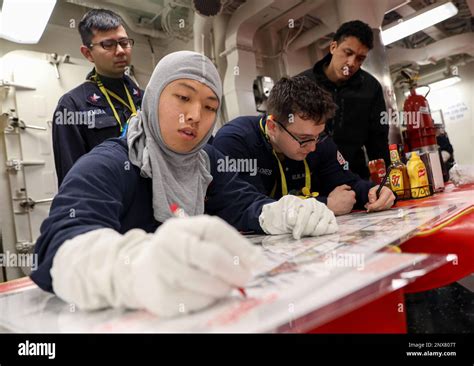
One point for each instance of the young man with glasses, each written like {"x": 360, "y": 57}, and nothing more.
{"x": 294, "y": 155}
{"x": 99, "y": 108}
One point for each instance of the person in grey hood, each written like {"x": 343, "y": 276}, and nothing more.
{"x": 176, "y": 158}
{"x": 111, "y": 239}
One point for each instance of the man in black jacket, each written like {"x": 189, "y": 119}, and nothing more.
{"x": 358, "y": 95}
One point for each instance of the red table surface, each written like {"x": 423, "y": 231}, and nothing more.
{"x": 383, "y": 315}
{"x": 452, "y": 235}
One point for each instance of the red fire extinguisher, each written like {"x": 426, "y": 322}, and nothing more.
{"x": 420, "y": 134}
{"x": 421, "y": 131}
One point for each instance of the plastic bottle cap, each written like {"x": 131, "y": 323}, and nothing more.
{"x": 393, "y": 147}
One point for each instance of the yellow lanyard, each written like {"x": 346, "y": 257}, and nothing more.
{"x": 106, "y": 93}
{"x": 306, "y": 190}
{"x": 284, "y": 188}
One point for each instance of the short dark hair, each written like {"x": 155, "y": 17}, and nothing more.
{"x": 300, "y": 96}
{"x": 97, "y": 20}
{"x": 358, "y": 29}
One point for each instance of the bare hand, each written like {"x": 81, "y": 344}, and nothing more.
{"x": 385, "y": 201}
{"x": 341, "y": 200}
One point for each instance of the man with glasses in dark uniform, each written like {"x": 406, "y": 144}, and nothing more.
{"x": 293, "y": 154}
{"x": 99, "y": 108}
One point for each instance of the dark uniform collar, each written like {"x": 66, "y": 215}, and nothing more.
{"x": 116, "y": 84}
{"x": 318, "y": 71}
{"x": 262, "y": 122}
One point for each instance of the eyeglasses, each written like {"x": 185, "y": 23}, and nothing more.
{"x": 111, "y": 44}
{"x": 303, "y": 143}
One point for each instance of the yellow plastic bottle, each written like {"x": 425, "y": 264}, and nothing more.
{"x": 420, "y": 186}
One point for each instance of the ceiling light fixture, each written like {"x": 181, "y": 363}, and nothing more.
{"x": 437, "y": 85}
{"x": 24, "y": 21}
{"x": 418, "y": 21}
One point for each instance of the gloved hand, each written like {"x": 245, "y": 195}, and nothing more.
{"x": 193, "y": 263}
{"x": 301, "y": 217}
{"x": 186, "y": 265}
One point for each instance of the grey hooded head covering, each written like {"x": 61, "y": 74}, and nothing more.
{"x": 180, "y": 178}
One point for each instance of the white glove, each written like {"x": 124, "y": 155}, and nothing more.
{"x": 445, "y": 155}
{"x": 461, "y": 174}
{"x": 186, "y": 265}
{"x": 302, "y": 217}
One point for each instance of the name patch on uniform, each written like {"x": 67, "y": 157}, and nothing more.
{"x": 265, "y": 171}
{"x": 94, "y": 112}
{"x": 342, "y": 161}
{"x": 298, "y": 176}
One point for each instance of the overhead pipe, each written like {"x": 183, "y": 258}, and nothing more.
{"x": 201, "y": 30}
{"x": 460, "y": 43}
{"x": 328, "y": 14}
{"x": 369, "y": 11}
{"x": 309, "y": 37}
{"x": 219, "y": 24}
{"x": 154, "y": 33}
{"x": 241, "y": 63}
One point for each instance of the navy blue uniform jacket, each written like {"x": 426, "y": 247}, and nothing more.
{"x": 73, "y": 135}
{"x": 242, "y": 138}
{"x": 104, "y": 190}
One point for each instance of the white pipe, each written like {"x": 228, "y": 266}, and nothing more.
{"x": 369, "y": 11}
{"x": 219, "y": 24}
{"x": 461, "y": 43}
{"x": 201, "y": 30}
{"x": 393, "y": 5}
{"x": 154, "y": 33}
{"x": 148, "y": 6}
{"x": 309, "y": 37}
{"x": 281, "y": 20}
{"x": 327, "y": 12}
{"x": 241, "y": 68}
{"x": 126, "y": 18}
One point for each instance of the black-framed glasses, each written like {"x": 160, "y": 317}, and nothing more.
{"x": 315, "y": 140}
{"x": 111, "y": 44}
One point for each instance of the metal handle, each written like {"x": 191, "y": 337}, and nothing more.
{"x": 24, "y": 246}
{"x": 29, "y": 204}
{"x": 15, "y": 122}
{"x": 15, "y": 164}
